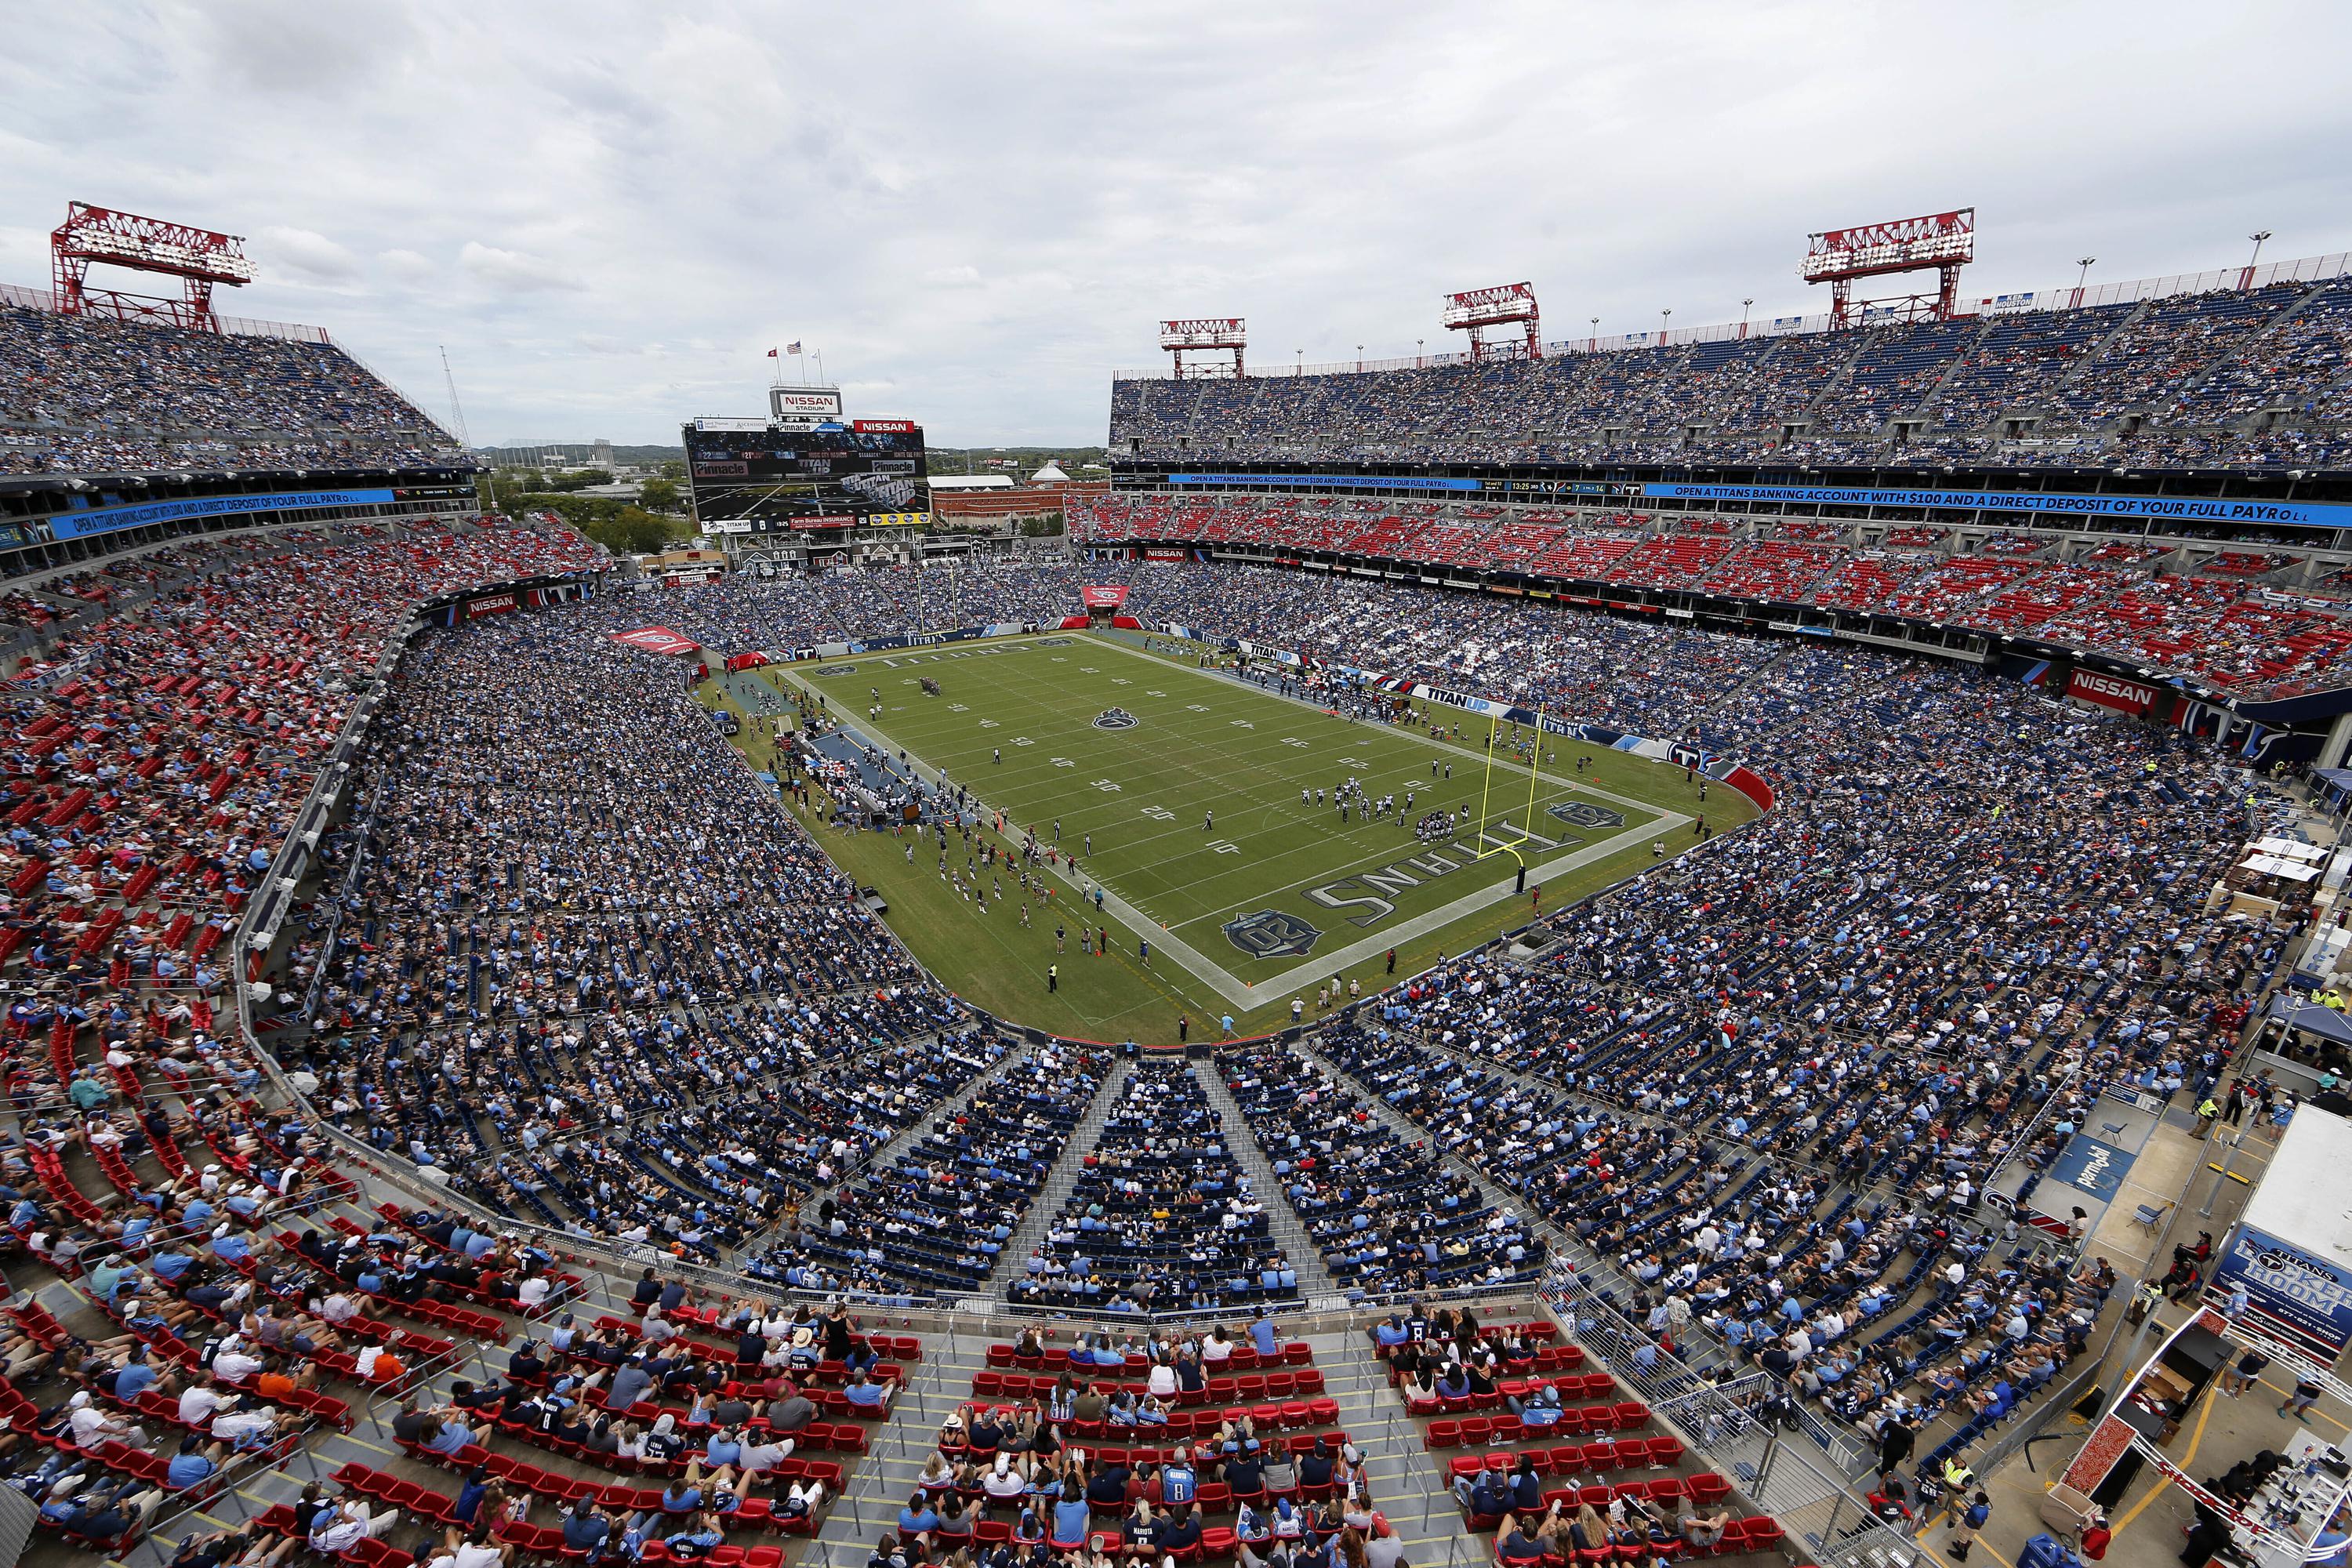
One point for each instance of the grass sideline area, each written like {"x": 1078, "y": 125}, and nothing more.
{"x": 1190, "y": 821}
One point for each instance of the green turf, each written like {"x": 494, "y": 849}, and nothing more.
{"x": 1204, "y": 746}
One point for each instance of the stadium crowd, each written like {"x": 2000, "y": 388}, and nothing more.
{"x": 748, "y": 612}
{"x": 939, "y": 1218}
{"x": 2266, "y": 623}
{"x": 1387, "y": 1218}
{"x": 1896, "y": 984}
{"x": 570, "y": 965}
{"x": 92, "y": 394}
{"x": 2177, "y": 382}
{"x": 1161, "y": 1218}
{"x": 575, "y": 916}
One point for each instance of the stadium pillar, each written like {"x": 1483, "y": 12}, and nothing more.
{"x": 2339, "y": 739}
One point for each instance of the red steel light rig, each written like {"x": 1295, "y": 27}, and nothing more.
{"x": 96, "y": 235}
{"x": 1217, "y": 335}
{"x": 1505, "y": 304}
{"x": 1945, "y": 241}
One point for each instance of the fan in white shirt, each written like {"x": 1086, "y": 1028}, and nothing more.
{"x": 199, "y": 1405}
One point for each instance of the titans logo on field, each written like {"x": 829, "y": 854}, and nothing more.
{"x": 1271, "y": 933}
{"x": 1114, "y": 719}
{"x": 1584, "y": 814}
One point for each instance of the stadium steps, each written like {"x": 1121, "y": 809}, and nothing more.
{"x": 2091, "y": 355}
{"x": 1834, "y": 383}
{"x": 1282, "y": 1220}
{"x": 1063, "y": 1179}
{"x": 1962, "y": 356}
{"x": 1771, "y": 665}
{"x": 887, "y": 1474}
{"x": 1560, "y": 1242}
{"x": 2229, "y": 361}
{"x": 1837, "y": 1185}
{"x": 1406, "y": 1485}
{"x": 886, "y": 1155}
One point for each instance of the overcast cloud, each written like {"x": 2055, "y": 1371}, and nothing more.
{"x": 609, "y": 213}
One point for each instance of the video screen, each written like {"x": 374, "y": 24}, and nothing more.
{"x": 826, "y": 476}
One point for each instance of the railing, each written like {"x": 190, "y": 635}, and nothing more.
{"x": 26, "y": 299}
{"x": 363, "y": 823}
{"x": 225, "y": 1492}
{"x": 2066, "y": 297}
{"x": 2028, "y": 1137}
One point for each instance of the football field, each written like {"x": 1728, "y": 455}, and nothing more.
{"x": 1206, "y": 827}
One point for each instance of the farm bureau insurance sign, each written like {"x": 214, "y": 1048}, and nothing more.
{"x": 2207, "y": 508}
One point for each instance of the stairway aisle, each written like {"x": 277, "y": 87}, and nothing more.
{"x": 1063, "y": 1179}
{"x": 1407, "y": 1485}
{"x": 1405, "y": 1127}
{"x": 1316, "y": 1287}
{"x": 1566, "y": 1249}
{"x": 887, "y": 1474}
{"x": 883, "y": 1158}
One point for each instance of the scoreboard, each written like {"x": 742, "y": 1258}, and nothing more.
{"x": 784, "y": 475}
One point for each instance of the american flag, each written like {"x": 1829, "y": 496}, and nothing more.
{"x": 793, "y": 347}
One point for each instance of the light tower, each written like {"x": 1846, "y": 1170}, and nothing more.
{"x": 1210, "y": 335}
{"x": 1506, "y": 304}
{"x": 197, "y": 257}
{"x": 1944, "y": 241}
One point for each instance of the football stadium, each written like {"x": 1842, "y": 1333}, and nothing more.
{"x": 1721, "y": 939}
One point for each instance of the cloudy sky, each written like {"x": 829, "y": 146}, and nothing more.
{"x": 609, "y": 213}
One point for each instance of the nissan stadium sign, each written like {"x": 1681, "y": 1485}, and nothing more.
{"x": 804, "y": 402}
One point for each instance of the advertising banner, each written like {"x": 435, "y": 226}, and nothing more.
{"x": 925, "y": 640}
{"x": 2305, "y": 514}
{"x": 2091, "y": 1166}
{"x": 1102, "y": 598}
{"x": 804, "y": 402}
{"x": 2304, "y": 1299}
{"x": 489, "y": 604}
{"x": 658, "y": 639}
{"x": 108, "y": 518}
{"x": 895, "y": 427}
{"x": 1340, "y": 481}
{"x": 2133, "y": 696}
